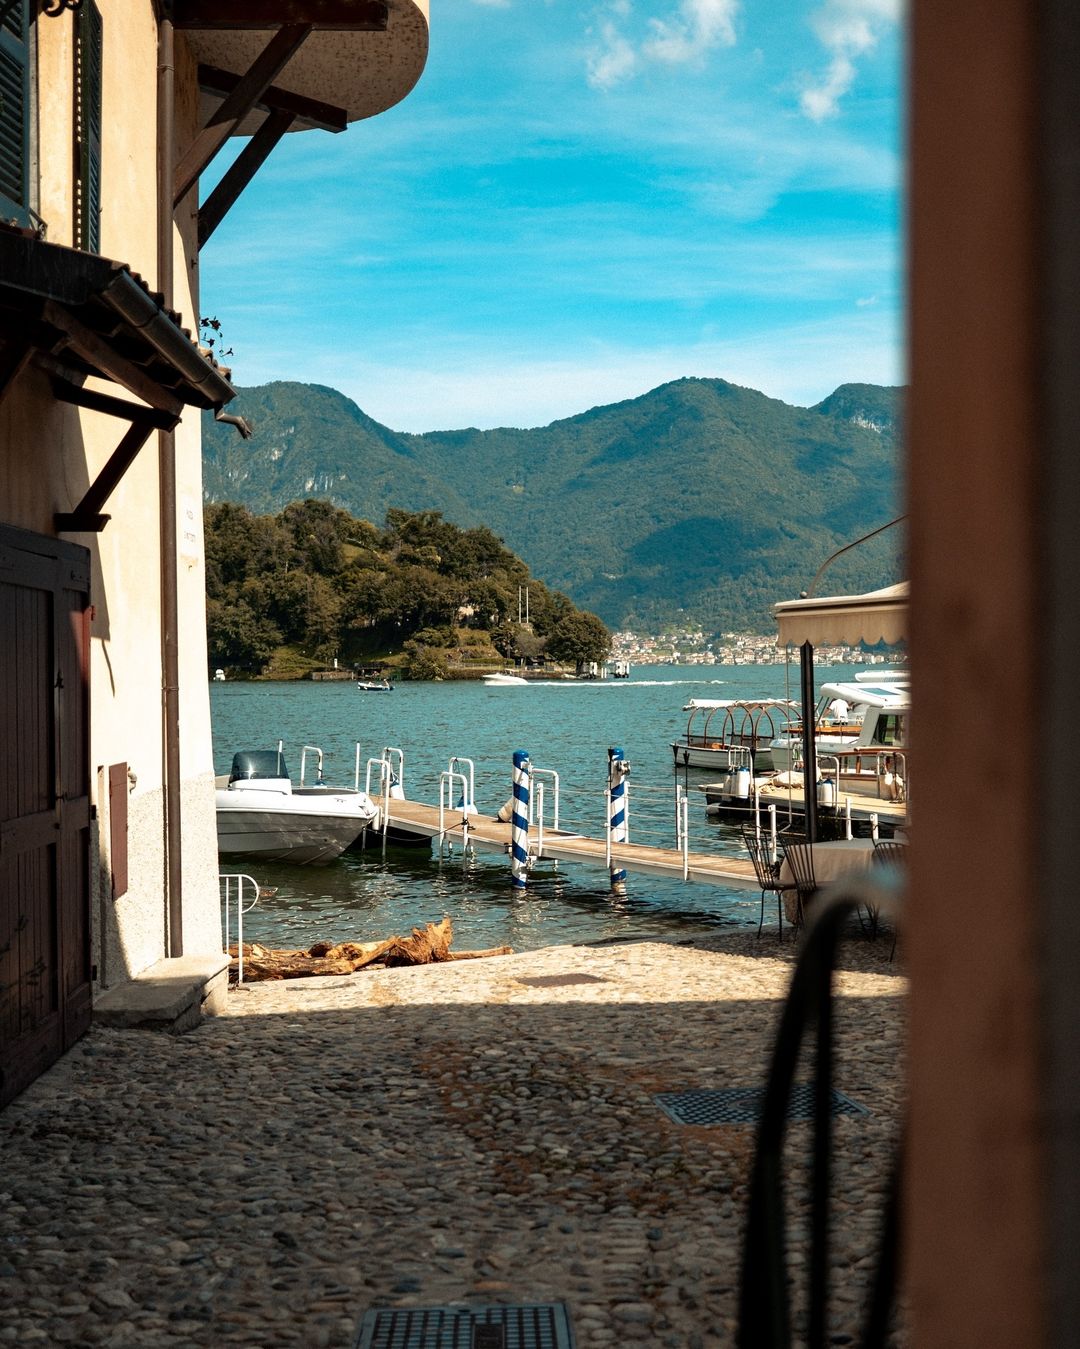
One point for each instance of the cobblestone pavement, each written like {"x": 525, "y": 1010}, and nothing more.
{"x": 451, "y": 1133}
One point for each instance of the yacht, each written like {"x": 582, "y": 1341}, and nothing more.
{"x": 875, "y": 712}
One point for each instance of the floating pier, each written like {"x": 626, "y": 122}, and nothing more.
{"x": 527, "y": 830}
{"x": 490, "y": 833}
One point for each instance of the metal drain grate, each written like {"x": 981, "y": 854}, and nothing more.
{"x": 533, "y": 1326}
{"x": 742, "y": 1105}
{"x": 559, "y": 980}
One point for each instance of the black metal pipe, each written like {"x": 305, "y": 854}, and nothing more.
{"x": 806, "y": 679}
{"x": 170, "y": 661}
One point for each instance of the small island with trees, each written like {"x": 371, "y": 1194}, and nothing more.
{"x": 291, "y": 594}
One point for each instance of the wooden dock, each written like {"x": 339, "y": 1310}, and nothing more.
{"x": 488, "y": 832}
{"x": 790, "y": 806}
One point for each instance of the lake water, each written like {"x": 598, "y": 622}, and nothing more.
{"x": 566, "y": 726}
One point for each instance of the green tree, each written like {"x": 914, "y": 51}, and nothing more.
{"x": 578, "y": 638}
{"x": 238, "y": 637}
{"x": 423, "y": 662}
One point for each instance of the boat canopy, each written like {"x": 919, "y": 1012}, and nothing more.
{"x": 878, "y": 616}
{"x": 749, "y": 703}
{"x": 885, "y": 674}
{"x": 865, "y": 695}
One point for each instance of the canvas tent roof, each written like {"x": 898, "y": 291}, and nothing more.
{"x": 878, "y": 616}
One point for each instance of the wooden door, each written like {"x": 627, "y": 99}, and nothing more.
{"x": 44, "y": 803}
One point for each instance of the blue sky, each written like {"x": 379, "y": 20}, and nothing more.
{"x": 579, "y": 202}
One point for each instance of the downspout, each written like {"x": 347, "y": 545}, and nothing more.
{"x": 170, "y": 663}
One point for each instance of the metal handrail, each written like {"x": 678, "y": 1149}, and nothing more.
{"x": 469, "y": 798}
{"x": 764, "y": 1307}
{"x": 553, "y": 775}
{"x": 303, "y": 762}
{"x": 236, "y": 884}
{"x": 447, "y": 779}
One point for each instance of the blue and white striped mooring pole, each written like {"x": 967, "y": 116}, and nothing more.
{"x": 519, "y": 821}
{"x": 618, "y": 769}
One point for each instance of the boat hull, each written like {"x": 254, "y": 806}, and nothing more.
{"x": 717, "y": 760}
{"x": 294, "y": 829}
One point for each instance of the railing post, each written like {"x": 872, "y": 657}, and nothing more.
{"x": 685, "y": 837}
{"x": 618, "y": 769}
{"x": 519, "y": 822}
{"x": 539, "y": 819}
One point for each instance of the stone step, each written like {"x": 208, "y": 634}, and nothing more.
{"x": 172, "y": 995}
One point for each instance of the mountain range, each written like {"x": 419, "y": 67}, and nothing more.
{"x": 699, "y": 501}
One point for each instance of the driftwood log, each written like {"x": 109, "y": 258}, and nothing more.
{"x": 426, "y": 946}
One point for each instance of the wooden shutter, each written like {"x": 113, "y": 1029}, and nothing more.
{"x": 15, "y": 114}
{"x": 44, "y": 803}
{"x": 118, "y": 827}
{"x": 88, "y": 51}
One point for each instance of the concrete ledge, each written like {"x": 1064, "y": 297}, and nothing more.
{"x": 172, "y": 995}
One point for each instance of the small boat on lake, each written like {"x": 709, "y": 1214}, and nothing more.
{"x": 263, "y": 815}
{"x": 371, "y": 686}
{"x": 727, "y": 733}
{"x": 499, "y": 681}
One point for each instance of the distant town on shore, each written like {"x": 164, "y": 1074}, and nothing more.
{"x": 693, "y": 646}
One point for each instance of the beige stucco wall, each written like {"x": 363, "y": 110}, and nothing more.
{"x": 52, "y": 452}
{"x": 56, "y": 450}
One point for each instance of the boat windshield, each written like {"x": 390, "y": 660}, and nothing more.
{"x": 258, "y": 763}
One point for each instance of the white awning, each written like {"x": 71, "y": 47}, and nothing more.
{"x": 879, "y": 616}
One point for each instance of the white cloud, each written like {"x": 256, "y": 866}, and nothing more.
{"x": 700, "y": 26}
{"x": 693, "y": 30}
{"x": 612, "y": 60}
{"x": 847, "y": 29}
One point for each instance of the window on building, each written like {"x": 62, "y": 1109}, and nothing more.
{"x": 88, "y": 127}
{"x": 15, "y": 112}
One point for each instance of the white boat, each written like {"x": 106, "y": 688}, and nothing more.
{"x": 369, "y": 686}
{"x": 263, "y": 815}
{"x": 861, "y": 756}
{"x": 876, "y": 707}
{"x": 498, "y": 681}
{"x": 727, "y": 733}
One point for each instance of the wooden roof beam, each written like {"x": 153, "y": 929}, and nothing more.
{"x": 87, "y": 517}
{"x": 343, "y": 16}
{"x": 309, "y": 112}
{"x": 105, "y": 360}
{"x": 237, "y": 105}
{"x": 247, "y": 164}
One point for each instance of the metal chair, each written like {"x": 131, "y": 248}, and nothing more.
{"x": 889, "y": 852}
{"x": 768, "y": 873}
{"x": 799, "y": 856}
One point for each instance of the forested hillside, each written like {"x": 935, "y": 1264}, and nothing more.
{"x": 312, "y": 584}
{"x": 699, "y": 496}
